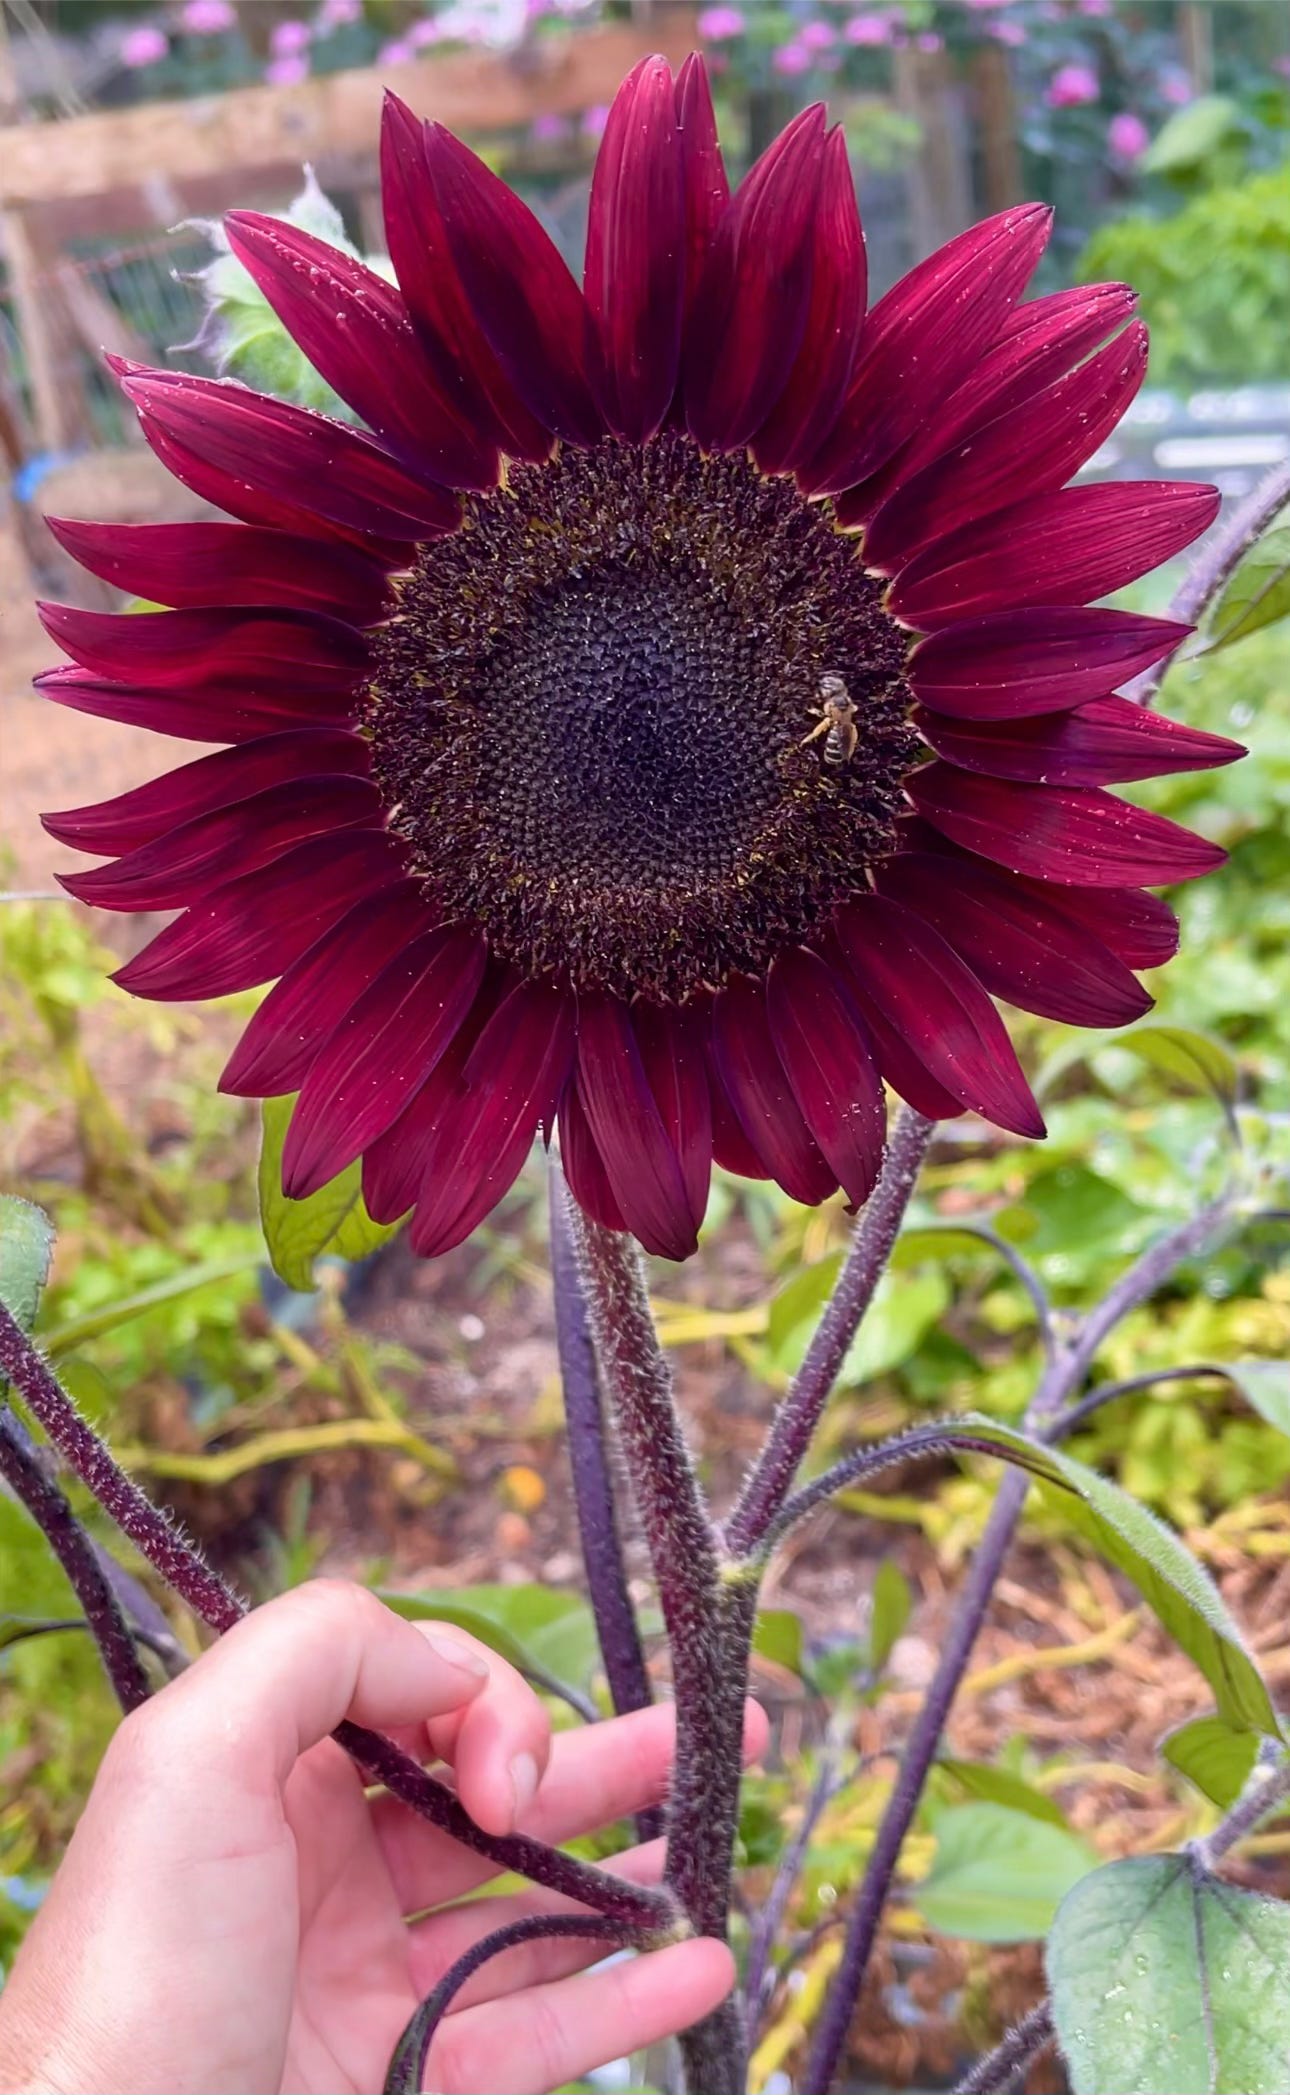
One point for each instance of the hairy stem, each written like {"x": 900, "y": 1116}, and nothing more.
{"x": 708, "y": 1616}
{"x": 998, "y": 2071}
{"x": 1061, "y": 1379}
{"x": 771, "y": 1477}
{"x": 1267, "y": 1790}
{"x": 23, "y": 1471}
{"x": 593, "y": 1487}
{"x": 214, "y": 1602}
{"x": 1214, "y": 567}
{"x": 406, "y": 2075}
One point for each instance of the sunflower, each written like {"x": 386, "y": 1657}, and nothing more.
{"x": 679, "y": 710}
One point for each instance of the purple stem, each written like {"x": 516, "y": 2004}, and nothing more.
{"x": 1058, "y": 1384}
{"x": 23, "y": 1470}
{"x": 214, "y": 1602}
{"x": 997, "y": 2073}
{"x": 708, "y": 1616}
{"x": 1214, "y": 567}
{"x": 593, "y": 1489}
{"x": 411, "y": 2054}
{"x": 771, "y": 1477}
{"x": 764, "y": 1932}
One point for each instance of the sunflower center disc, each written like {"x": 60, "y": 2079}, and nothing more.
{"x": 588, "y": 717}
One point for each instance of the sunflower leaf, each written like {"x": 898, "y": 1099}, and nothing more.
{"x": 1214, "y": 1756}
{"x": 334, "y": 1220}
{"x": 1174, "y": 1585}
{"x": 1168, "y": 1980}
{"x": 26, "y": 1248}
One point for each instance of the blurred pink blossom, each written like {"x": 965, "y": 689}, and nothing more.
{"x": 594, "y": 120}
{"x": 288, "y": 70}
{"x": 792, "y": 60}
{"x": 338, "y": 14}
{"x": 716, "y": 25}
{"x": 1096, "y": 10}
{"x": 423, "y": 33}
{"x": 1175, "y": 87}
{"x": 399, "y": 52}
{"x": 548, "y": 129}
{"x": 817, "y": 36}
{"x": 1127, "y": 136}
{"x": 868, "y": 29}
{"x": 289, "y": 39}
{"x": 930, "y": 41}
{"x": 141, "y": 46}
{"x": 1071, "y": 86}
{"x": 207, "y": 17}
{"x": 1010, "y": 33}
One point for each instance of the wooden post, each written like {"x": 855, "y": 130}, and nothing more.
{"x": 996, "y": 114}
{"x": 57, "y": 407}
{"x": 940, "y": 177}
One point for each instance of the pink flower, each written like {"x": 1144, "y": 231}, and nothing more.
{"x": 792, "y": 60}
{"x": 1127, "y": 136}
{"x": 338, "y": 14}
{"x": 207, "y": 17}
{"x": 399, "y": 52}
{"x": 868, "y": 30}
{"x": 1175, "y": 87}
{"x": 817, "y": 36}
{"x": 717, "y": 25}
{"x": 143, "y": 46}
{"x": 289, "y": 39}
{"x": 930, "y": 41}
{"x": 1071, "y": 86}
{"x": 1010, "y": 33}
{"x": 594, "y": 120}
{"x": 287, "y": 71}
{"x": 1096, "y": 10}
{"x": 423, "y": 33}
{"x": 548, "y": 129}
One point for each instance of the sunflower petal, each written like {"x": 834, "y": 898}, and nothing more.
{"x": 822, "y": 1043}
{"x": 1041, "y": 660}
{"x": 761, "y": 1093}
{"x": 1106, "y": 742}
{"x": 634, "y": 279}
{"x": 817, "y": 383}
{"x": 1074, "y": 835}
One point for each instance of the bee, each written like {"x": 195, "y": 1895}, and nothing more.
{"x": 837, "y": 722}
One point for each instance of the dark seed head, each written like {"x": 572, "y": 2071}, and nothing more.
{"x": 590, "y": 716}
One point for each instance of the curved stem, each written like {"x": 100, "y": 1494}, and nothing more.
{"x": 1214, "y": 567}
{"x": 1059, "y": 1382}
{"x": 771, "y": 1477}
{"x": 406, "y": 2074}
{"x": 708, "y": 1615}
{"x": 997, "y": 2072}
{"x": 214, "y": 1602}
{"x": 1106, "y": 1393}
{"x": 23, "y": 1471}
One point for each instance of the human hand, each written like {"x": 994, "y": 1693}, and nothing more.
{"x": 231, "y": 1917}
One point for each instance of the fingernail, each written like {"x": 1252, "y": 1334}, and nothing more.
{"x": 457, "y": 1655}
{"x": 524, "y": 1781}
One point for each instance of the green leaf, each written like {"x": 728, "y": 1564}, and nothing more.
{"x": 539, "y": 1629}
{"x": 999, "y": 1875}
{"x": 78, "y": 1331}
{"x": 1170, "y": 1982}
{"x": 1193, "y": 1058}
{"x": 1174, "y": 1585}
{"x": 1213, "y": 1755}
{"x": 777, "y": 1635}
{"x": 904, "y": 1308}
{"x": 26, "y": 1248}
{"x": 1265, "y": 1386}
{"x": 19, "y": 1629}
{"x": 1258, "y": 593}
{"x": 1000, "y": 1786}
{"x": 1191, "y": 135}
{"x": 892, "y": 1604}
{"x": 799, "y": 1301}
{"x": 332, "y": 1220}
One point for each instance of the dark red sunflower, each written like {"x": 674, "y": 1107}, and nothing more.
{"x": 683, "y": 711}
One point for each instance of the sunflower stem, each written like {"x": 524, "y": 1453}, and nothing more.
{"x": 1213, "y": 568}
{"x": 23, "y": 1470}
{"x": 589, "y": 1461}
{"x": 1058, "y": 1384}
{"x": 214, "y": 1602}
{"x": 771, "y": 1477}
{"x": 708, "y": 1608}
